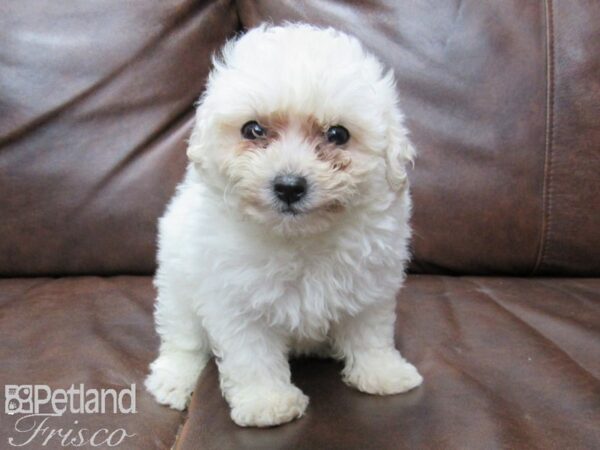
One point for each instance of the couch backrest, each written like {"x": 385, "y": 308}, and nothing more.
{"x": 96, "y": 103}
{"x": 502, "y": 100}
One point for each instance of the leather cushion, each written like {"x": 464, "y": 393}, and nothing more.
{"x": 90, "y": 330}
{"x": 96, "y": 102}
{"x": 507, "y": 362}
{"x": 502, "y": 101}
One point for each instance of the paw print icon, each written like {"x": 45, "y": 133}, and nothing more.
{"x": 11, "y": 407}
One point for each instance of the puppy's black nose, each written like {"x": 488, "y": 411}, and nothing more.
{"x": 289, "y": 188}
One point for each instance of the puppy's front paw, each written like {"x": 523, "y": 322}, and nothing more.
{"x": 173, "y": 377}
{"x": 264, "y": 407}
{"x": 382, "y": 373}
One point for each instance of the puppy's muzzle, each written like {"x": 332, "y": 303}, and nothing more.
{"x": 290, "y": 189}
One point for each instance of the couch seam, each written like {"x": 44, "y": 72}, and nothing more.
{"x": 182, "y": 424}
{"x": 236, "y": 8}
{"x": 549, "y": 137}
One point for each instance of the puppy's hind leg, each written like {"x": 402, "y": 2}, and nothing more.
{"x": 366, "y": 344}
{"x": 184, "y": 351}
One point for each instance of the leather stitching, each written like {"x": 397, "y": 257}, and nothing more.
{"x": 549, "y": 141}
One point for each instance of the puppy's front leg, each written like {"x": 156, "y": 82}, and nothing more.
{"x": 255, "y": 375}
{"x": 372, "y": 363}
{"x": 184, "y": 351}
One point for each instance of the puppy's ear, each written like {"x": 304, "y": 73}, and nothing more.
{"x": 399, "y": 153}
{"x": 196, "y": 151}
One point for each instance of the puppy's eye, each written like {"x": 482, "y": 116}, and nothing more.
{"x": 252, "y": 130}
{"x": 337, "y": 135}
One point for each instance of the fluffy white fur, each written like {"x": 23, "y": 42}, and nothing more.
{"x": 243, "y": 281}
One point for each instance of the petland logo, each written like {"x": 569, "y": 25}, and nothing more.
{"x": 39, "y": 404}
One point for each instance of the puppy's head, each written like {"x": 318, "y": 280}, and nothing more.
{"x": 299, "y": 127}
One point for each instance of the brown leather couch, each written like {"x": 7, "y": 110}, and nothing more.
{"x": 502, "y": 310}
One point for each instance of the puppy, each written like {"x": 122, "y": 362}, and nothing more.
{"x": 288, "y": 235}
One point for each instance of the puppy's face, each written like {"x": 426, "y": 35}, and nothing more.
{"x": 298, "y": 128}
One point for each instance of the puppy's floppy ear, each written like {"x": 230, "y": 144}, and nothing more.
{"x": 199, "y": 140}
{"x": 399, "y": 152}
{"x": 196, "y": 150}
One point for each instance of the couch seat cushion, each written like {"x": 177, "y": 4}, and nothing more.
{"x": 90, "y": 330}
{"x": 508, "y": 363}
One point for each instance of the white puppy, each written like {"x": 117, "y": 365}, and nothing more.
{"x": 289, "y": 232}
